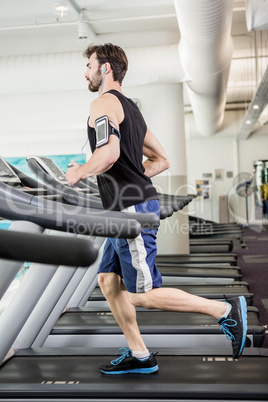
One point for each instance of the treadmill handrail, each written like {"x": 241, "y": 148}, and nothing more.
{"x": 28, "y": 181}
{"x": 69, "y": 194}
{"x": 148, "y": 220}
{"x": 92, "y": 224}
{"x": 41, "y": 248}
{"x": 73, "y": 197}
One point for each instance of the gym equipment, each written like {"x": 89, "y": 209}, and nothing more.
{"x": 212, "y": 291}
{"x": 213, "y": 246}
{"x": 53, "y": 178}
{"x": 49, "y": 249}
{"x": 97, "y": 329}
{"x": 244, "y": 186}
{"x": 186, "y": 259}
{"x": 68, "y": 373}
{"x": 71, "y": 374}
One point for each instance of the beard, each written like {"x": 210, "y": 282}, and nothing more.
{"x": 95, "y": 83}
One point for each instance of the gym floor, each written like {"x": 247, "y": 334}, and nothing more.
{"x": 253, "y": 261}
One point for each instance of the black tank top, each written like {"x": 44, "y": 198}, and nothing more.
{"x": 125, "y": 184}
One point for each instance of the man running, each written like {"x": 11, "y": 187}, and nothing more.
{"x": 128, "y": 276}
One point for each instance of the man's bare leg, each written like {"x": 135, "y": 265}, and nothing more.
{"x": 123, "y": 310}
{"x": 122, "y": 305}
{"x": 171, "y": 299}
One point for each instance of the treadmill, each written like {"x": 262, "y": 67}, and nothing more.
{"x": 204, "y": 224}
{"x": 72, "y": 374}
{"x": 198, "y": 275}
{"x": 182, "y": 274}
{"x": 232, "y": 293}
{"x": 28, "y": 205}
{"x": 184, "y": 374}
{"x": 49, "y": 172}
{"x": 212, "y": 291}
{"x": 200, "y": 259}
{"x": 52, "y": 169}
{"x": 184, "y": 329}
{"x": 93, "y": 326}
{"x": 96, "y": 329}
{"x": 52, "y": 175}
{"x": 176, "y": 202}
{"x": 213, "y": 246}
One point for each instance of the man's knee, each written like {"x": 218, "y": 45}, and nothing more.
{"x": 109, "y": 283}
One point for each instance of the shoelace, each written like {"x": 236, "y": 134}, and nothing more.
{"x": 225, "y": 325}
{"x": 123, "y": 352}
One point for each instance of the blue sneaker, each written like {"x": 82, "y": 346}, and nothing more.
{"x": 234, "y": 325}
{"x": 128, "y": 364}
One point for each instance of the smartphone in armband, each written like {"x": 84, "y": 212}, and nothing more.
{"x": 102, "y": 131}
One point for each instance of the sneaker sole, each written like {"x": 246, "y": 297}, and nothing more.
{"x": 133, "y": 371}
{"x": 243, "y": 306}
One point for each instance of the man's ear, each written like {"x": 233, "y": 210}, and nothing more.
{"x": 106, "y": 68}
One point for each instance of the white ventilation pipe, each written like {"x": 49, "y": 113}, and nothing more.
{"x": 65, "y": 71}
{"x": 205, "y": 51}
{"x": 257, "y": 15}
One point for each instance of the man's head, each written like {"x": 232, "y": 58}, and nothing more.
{"x": 98, "y": 56}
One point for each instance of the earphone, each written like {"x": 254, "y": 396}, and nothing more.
{"x": 103, "y": 71}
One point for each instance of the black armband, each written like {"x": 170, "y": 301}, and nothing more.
{"x": 104, "y": 130}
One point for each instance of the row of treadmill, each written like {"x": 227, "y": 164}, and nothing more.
{"x": 58, "y": 329}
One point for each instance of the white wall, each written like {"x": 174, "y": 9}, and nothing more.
{"x": 44, "y": 124}
{"x": 55, "y": 122}
{"x": 204, "y": 156}
{"x": 222, "y": 151}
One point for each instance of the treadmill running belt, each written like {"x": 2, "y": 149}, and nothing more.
{"x": 217, "y": 377}
{"x": 209, "y": 291}
{"x": 160, "y": 319}
{"x": 154, "y": 323}
{"x": 197, "y": 259}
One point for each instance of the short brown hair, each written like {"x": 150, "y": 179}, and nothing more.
{"x": 109, "y": 53}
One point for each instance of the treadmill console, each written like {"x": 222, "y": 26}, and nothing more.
{"x": 51, "y": 168}
{"x": 7, "y": 174}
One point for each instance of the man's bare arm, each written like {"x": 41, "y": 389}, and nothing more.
{"x": 104, "y": 157}
{"x": 157, "y": 160}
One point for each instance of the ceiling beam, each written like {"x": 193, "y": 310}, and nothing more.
{"x": 75, "y": 7}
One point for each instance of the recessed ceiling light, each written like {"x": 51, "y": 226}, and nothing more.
{"x": 61, "y": 7}
{"x": 248, "y": 121}
{"x": 256, "y": 107}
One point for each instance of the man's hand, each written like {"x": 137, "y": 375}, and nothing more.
{"x": 73, "y": 173}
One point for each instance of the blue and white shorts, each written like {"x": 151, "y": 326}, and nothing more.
{"x": 134, "y": 259}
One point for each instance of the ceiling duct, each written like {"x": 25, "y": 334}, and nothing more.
{"x": 65, "y": 71}
{"x": 205, "y": 51}
{"x": 257, "y": 15}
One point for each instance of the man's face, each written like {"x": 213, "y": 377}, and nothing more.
{"x": 93, "y": 74}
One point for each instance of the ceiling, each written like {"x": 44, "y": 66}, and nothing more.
{"x": 126, "y": 22}
{"x": 32, "y": 27}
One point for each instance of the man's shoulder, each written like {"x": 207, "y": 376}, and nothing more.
{"x": 106, "y": 98}
{"x": 107, "y": 104}
{"x": 96, "y": 105}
